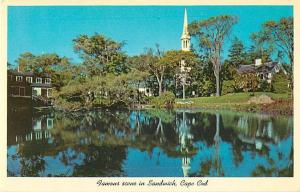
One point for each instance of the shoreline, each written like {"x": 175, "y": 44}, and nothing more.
{"x": 267, "y": 103}
{"x": 241, "y": 107}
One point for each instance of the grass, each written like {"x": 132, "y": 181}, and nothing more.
{"x": 239, "y": 101}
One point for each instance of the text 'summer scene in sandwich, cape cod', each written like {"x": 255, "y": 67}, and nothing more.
{"x": 159, "y": 91}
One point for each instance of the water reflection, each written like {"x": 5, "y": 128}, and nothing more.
{"x": 149, "y": 143}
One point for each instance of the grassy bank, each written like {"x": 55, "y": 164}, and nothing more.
{"x": 239, "y": 101}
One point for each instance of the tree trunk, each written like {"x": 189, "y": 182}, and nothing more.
{"x": 183, "y": 91}
{"x": 159, "y": 88}
{"x": 160, "y": 84}
{"x": 217, "y": 85}
{"x": 217, "y": 65}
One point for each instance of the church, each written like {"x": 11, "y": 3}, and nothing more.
{"x": 185, "y": 46}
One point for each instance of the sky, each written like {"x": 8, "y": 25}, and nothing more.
{"x": 51, "y": 29}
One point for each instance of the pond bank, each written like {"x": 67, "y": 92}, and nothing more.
{"x": 274, "y": 104}
{"x": 281, "y": 104}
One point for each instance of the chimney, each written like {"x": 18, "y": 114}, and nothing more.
{"x": 257, "y": 62}
{"x": 18, "y": 69}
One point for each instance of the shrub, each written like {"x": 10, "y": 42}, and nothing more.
{"x": 167, "y": 100}
{"x": 280, "y": 83}
{"x": 228, "y": 87}
{"x": 61, "y": 103}
{"x": 265, "y": 86}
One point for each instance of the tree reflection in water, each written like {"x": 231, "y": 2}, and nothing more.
{"x": 184, "y": 142}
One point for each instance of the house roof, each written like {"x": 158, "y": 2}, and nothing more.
{"x": 246, "y": 69}
{"x": 265, "y": 67}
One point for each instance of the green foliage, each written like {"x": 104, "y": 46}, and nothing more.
{"x": 166, "y": 100}
{"x": 278, "y": 35}
{"x": 264, "y": 86}
{"x": 174, "y": 57}
{"x": 257, "y": 51}
{"x": 59, "y": 68}
{"x": 101, "y": 55}
{"x": 228, "y": 87}
{"x": 229, "y": 70}
{"x": 106, "y": 91}
{"x": 202, "y": 78}
{"x": 211, "y": 34}
{"x": 173, "y": 77}
{"x": 237, "y": 53}
{"x": 165, "y": 115}
{"x": 206, "y": 88}
{"x": 280, "y": 83}
{"x": 237, "y": 56}
{"x": 246, "y": 82}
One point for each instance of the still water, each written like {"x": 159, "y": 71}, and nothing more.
{"x": 149, "y": 143}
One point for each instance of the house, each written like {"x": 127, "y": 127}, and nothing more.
{"x": 28, "y": 85}
{"x": 144, "y": 89}
{"x": 265, "y": 71}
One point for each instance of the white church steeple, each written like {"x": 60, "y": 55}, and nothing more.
{"x": 185, "y": 37}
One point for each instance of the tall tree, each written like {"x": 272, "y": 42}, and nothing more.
{"x": 156, "y": 66}
{"x": 237, "y": 53}
{"x": 58, "y": 67}
{"x": 257, "y": 51}
{"x": 100, "y": 54}
{"x": 174, "y": 59}
{"x": 237, "y": 56}
{"x": 278, "y": 34}
{"x": 210, "y": 35}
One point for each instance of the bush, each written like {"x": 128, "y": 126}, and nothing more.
{"x": 63, "y": 104}
{"x": 167, "y": 100}
{"x": 280, "y": 83}
{"x": 228, "y": 87}
{"x": 265, "y": 86}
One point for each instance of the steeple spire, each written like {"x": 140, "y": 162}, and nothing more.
{"x": 185, "y": 24}
{"x": 185, "y": 37}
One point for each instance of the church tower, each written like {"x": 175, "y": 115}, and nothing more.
{"x": 185, "y": 37}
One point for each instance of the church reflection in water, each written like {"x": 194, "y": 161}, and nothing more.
{"x": 149, "y": 143}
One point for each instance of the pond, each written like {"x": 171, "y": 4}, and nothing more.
{"x": 158, "y": 143}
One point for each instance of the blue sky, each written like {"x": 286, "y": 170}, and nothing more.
{"x": 51, "y": 29}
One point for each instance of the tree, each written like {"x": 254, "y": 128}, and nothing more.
{"x": 278, "y": 34}
{"x": 59, "y": 68}
{"x": 27, "y": 62}
{"x": 9, "y": 65}
{"x": 246, "y": 81}
{"x": 202, "y": 78}
{"x": 109, "y": 90}
{"x": 174, "y": 59}
{"x": 100, "y": 55}
{"x": 156, "y": 66}
{"x": 280, "y": 83}
{"x": 258, "y": 51}
{"x": 45, "y": 63}
{"x": 237, "y": 53}
{"x": 210, "y": 35}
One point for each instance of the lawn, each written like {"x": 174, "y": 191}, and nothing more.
{"x": 239, "y": 101}
{"x": 234, "y": 98}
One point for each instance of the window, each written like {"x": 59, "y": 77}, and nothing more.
{"x": 262, "y": 76}
{"x": 29, "y": 79}
{"x": 49, "y": 123}
{"x": 22, "y": 91}
{"x": 47, "y": 80}
{"x": 19, "y": 78}
{"x": 15, "y": 90}
{"x": 49, "y": 92}
{"x": 38, "y": 80}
